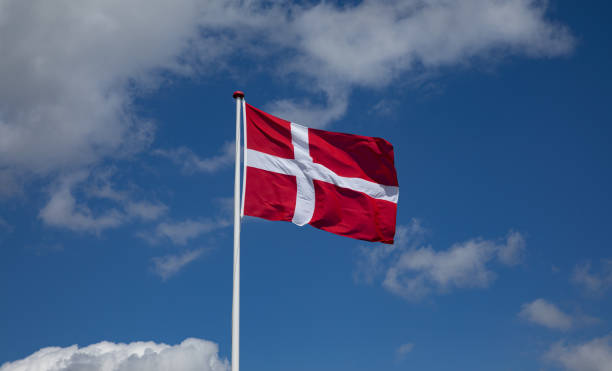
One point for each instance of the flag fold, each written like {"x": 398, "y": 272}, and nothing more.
{"x": 342, "y": 183}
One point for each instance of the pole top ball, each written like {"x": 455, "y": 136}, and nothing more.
{"x": 238, "y": 94}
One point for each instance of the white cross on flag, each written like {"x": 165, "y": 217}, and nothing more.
{"x": 342, "y": 183}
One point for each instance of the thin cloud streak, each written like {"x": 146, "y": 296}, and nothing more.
{"x": 169, "y": 265}
{"x": 191, "y": 163}
{"x": 181, "y": 232}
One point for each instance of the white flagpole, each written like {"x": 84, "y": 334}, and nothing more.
{"x": 239, "y": 97}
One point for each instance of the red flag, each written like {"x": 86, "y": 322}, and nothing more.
{"x": 342, "y": 183}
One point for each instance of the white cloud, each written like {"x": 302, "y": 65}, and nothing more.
{"x": 544, "y": 313}
{"x": 69, "y": 74}
{"x": 190, "y": 355}
{"x": 169, "y": 265}
{"x": 594, "y": 355}
{"x": 512, "y": 253}
{"x": 146, "y": 210}
{"x": 63, "y": 211}
{"x": 4, "y": 225}
{"x": 192, "y": 163}
{"x": 414, "y": 271}
{"x": 70, "y": 81}
{"x": 312, "y": 115}
{"x": 593, "y": 282}
{"x": 183, "y": 231}
{"x": 403, "y": 350}
{"x": 373, "y": 261}
{"x": 373, "y": 43}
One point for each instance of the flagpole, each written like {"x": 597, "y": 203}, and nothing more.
{"x": 239, "y": 97}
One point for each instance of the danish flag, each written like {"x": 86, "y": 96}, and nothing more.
{"x": 342, "y": 183}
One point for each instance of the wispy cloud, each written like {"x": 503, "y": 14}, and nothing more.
{"x": 413, "y": 271}
{"x": 544, "y": 313}
{"x": 192, "y": 163}
{"x": 403, "y": 350}
{"x": 181, "y": 232}
{"x": 593, "y": 355}
{"x": 145, "y": 210}
{"x": 169, "y": 265}
{"x": 595, "y": 282}
{"x": 64, "y": 211}
{"x": 190, "y": 355}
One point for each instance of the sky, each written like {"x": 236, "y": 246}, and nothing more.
{"x": 116, "y": 174}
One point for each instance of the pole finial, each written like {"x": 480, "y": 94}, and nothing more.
{"x": 238, "y": 94}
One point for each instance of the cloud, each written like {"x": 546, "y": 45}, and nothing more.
{"x": 5, "y": 226}
{"x": 375, "y": 43}
{"x": 403, "y": 350}
{"x": 594, "y": 355}
{"x": 546, "y": 314}
{"x": 191, "y": 163}
{"x": 414, "y": 271}
{"x": 63, "y": 211}
{"x": 596, "y": 282}
{"x": 190, "y": 355}
{"x": 69, "y": 84}
{"x": 513, "y": 252}
{"x": 312, "y": 115}
{"x": 169, "y": 265}
{"x": 146, "y": 210}
{"x": 181, "y": 232}
{"x": 373, "y": 262}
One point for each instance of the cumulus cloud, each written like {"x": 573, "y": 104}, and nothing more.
{"x": 69, "y": 74}
{"x": 70, "y": 83}
{"x": 192, "y": 163}
{"x": 593, "y": 282}
{"x": 190, "y": 355}
{"x": 594, "y": 355}
{"x": 374, "y": 42}
{"x": 167, "y": 266}
{"x": 544, "y": 313}
{"x": 413, "y": 271}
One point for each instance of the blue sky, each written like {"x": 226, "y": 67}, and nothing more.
{"x": 116, "y": 174}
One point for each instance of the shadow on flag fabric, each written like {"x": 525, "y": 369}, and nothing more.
{"x": 342, "y": 183}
